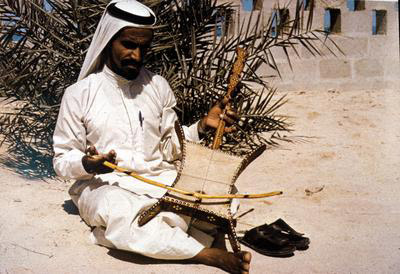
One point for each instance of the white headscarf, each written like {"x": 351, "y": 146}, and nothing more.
{"x": 118, "y": 15}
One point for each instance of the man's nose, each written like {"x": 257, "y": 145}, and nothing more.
{"x": 136, "y": 54}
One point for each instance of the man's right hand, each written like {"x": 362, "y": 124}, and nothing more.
{"x": 93, "y": 161}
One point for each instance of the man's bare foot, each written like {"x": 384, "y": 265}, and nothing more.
{"x": 228, "y": 261}
{"x": 219, "y": 241}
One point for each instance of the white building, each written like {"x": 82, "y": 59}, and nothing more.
{"x": 366, "y": 31}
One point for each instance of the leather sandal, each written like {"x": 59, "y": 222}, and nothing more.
{"x": 295, "y": 238}
{"x": 267, "y": 241}
{"x": 283, "y": 226}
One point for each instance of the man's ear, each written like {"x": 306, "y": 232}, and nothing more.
{"x": 106, "y": 53}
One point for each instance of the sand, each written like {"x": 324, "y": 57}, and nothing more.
{"x": 341, "y": 184}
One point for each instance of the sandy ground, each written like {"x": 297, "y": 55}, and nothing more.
{"x": 341, "y": 183}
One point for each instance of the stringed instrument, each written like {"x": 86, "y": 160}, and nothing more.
{"x": 210, "y": 175}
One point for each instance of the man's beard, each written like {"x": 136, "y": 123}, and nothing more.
{"x": 129, "y": 69}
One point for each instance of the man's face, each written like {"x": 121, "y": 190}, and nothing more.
{"x": 127, "y": 51}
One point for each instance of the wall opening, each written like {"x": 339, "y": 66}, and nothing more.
{"x": 354, "y": 5}
{"x": 46, "y": 6}
{"x": 220, "y": 26}
{"x": 258, "y": 4}
{"x": 247, "y": 5}
{"x": 307, "y": 4}
{"x": 225, "y": 23}
{"x": 332, "y": 21}
{"x": 279, "y": 19}
{"x": 378, "y": 22}
{"x": 250, "y": 5}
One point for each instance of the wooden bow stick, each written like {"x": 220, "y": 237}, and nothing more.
{"x": 234, "y": 80}
{"x": 189, "y": 193}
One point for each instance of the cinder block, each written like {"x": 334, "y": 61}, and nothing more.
{"x": 285, "y": 87}
{"x": 350, "y": 46}
{"x": 334, "y": 69}
{"x": 279, "y": 54}
{"x": 367, "y": 84}
{"x": 282, "y": 87}
{"x": 321, "y": 46}
{"x": 285, "y": 71}
{"x": 325, "y": 85}
{"x": 310, "y": 54}
{"x": 351, "y": 86}
{"x": 393, "y": 84}
{"x": 318, "y": 18}
{"x": 369, "y": 68}
{"x": 266, "y": 71}
{"x": 317, "y": 86}
{"x": 306, "y": 71}
{"x": 357, "y": 22}
{"x": 385, "y": 5}
{"x": 340, "y": 46}
{"x": 382, "y": 47}
{"x": 379, "y": 84}
{"x": 392, "y": 67}
{"x": 392, "y": 23}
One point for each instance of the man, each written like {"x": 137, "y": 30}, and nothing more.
{"x": 120, "y": 112}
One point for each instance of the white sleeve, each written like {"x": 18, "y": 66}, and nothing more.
{"x": 69, "y": 139}
{"x": 169, "y": 140}
{"x": 192, "y": 132}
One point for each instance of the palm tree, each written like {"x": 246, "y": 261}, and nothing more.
{"x": 43, "y": 44}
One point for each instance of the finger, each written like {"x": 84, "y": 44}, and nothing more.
{"x": 111, "y": 156}
{"x": 221, "y": 104}
{"x": 91, "y": 150}
{"x": 113, "y": 153}
{"x": 99, "y": 167}
{"x": 228, "y": 119}
{"x": 97, "y": 158}
{"x": 230, "y": 129}
{"x": 92, "y": 164}
{"x": 104, "y": 169}
{"x": 233, "y": 114}
{"x": 224, "y": 101}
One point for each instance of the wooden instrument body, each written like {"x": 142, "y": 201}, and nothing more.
{"x": 207, "y": 171}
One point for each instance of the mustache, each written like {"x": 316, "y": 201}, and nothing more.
{"x": 127, "y": 62}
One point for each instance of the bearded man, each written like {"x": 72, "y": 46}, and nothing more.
{"x": 118, "y": 111}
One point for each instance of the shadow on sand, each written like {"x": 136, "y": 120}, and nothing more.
{"x": 28, "y": 162}
{"x": 139, "y": 259}
{"x": 70, "y": 207}
{"x": 122, "y": 255}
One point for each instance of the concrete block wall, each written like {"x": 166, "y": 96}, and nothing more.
{"x": 368, "y": 62}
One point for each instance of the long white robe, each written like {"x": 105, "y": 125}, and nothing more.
{"x": 136, "y": 119}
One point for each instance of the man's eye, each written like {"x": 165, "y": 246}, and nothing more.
{"x": 129, "y": 45}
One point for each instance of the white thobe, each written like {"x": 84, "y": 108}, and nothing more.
{"x": 136, "y": 119}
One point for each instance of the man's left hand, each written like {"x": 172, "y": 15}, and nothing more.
{"x": 211, "y": 120}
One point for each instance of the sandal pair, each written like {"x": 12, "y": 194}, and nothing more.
{"x": 277, "y": 239}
